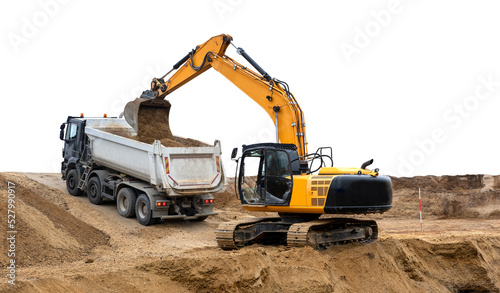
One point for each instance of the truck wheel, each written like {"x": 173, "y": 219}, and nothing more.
{"x": 143, "y": 211}
{"x": 72, "y": 181}
{"x": 200, "y": 219}
{"x": 94, "y": 191}
{"x": 125, "y": 202}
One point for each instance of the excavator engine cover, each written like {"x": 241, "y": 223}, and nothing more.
{"x": 359, "y": 194}
{"x": 147, "y": 99}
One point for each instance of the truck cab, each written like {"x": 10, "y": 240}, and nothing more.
{"x": 73, "y": 134}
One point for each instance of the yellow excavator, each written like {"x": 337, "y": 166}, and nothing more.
{"x": 282, "y": 176}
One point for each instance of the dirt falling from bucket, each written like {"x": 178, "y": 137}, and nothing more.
{"x": 153, "y": 124}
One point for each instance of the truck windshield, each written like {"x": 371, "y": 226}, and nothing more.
{"x": 71, "y": 131}
{"x": 265, "y": 177}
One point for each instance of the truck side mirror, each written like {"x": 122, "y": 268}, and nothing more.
{"x": 234, "y": 153}
{"x": 61, "y": 133}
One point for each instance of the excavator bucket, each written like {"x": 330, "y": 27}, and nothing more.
{"x": 132, "y": 109}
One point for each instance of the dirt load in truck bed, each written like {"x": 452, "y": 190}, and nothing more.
{"x": 66, "y": 244}
{"x": 153, "y": 124}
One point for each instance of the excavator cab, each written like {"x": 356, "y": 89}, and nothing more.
{"x": 266, "y": 174}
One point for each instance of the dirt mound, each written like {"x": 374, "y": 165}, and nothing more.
{"x": 462, "y": 196}
{"x": 449, "y": 255}
{"x": 46, "y": 232}
{"x": 389, "y": 266}
{"x": 462, "y": 182}
{"x": 176, "y": 141}
{"x": 189, "y": 142}
{"x": 226, "y": 198}
{"x": 430, "y": 182}
{"x": 436, "y": 183}
{"x": 153, "y": 124}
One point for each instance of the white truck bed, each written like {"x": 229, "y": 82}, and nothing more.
{"x": 178, "y": 170}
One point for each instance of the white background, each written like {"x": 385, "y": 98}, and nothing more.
{"x": 397, "y": 81}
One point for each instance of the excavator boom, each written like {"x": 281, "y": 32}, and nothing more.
{"x": 271, "y": 94}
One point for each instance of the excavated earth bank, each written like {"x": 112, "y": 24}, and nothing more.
{"x": 66, "y": 244}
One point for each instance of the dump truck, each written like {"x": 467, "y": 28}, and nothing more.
{"x": 149, "y": 181}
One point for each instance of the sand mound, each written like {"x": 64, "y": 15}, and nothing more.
{"x": 153, "y": 124}
{"x": 442, "y": 183}
{"x": 463, "y": 196}
{"x": 388, "y": 266}
{"x": 450, "y": 255}
{"x": 46, "y": 232}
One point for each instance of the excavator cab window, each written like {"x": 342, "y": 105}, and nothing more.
{"x": 251, "y": 178}
{"x": 265, "y": 177}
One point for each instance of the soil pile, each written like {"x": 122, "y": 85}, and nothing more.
{"x": 63, "y": 246}
{"x": 153, "y": 124}
{"x": 46, "y": 232}
{"x": 390, "y": 265}
{"x": 459, "y": 197}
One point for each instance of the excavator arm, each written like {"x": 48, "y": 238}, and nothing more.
{"x": 270, "y": 93}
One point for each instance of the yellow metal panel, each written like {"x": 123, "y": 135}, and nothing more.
{"x": 316, "y": 196}
{"x": 285, "y": 209}
{"x": 344, "y": 171}
{"x": 299, "y": 193}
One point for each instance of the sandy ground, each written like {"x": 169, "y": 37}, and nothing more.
{"x": 66, "y": 244}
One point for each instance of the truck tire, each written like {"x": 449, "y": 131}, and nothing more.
{"x": 143, "y": 211}
{"x": 72, "y": 180}
{"x": 125, "y": 202}
{"x": 94, "y": 190}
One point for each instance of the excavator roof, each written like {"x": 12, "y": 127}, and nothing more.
{"x": 284, "y": 146}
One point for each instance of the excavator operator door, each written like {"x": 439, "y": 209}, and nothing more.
{"x": 265, "y": 177}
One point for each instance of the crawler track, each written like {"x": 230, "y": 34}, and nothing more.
{"x": 325, "y": 232}
{"x": 317, "y": 233}
{"x": 226, "y": 231}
